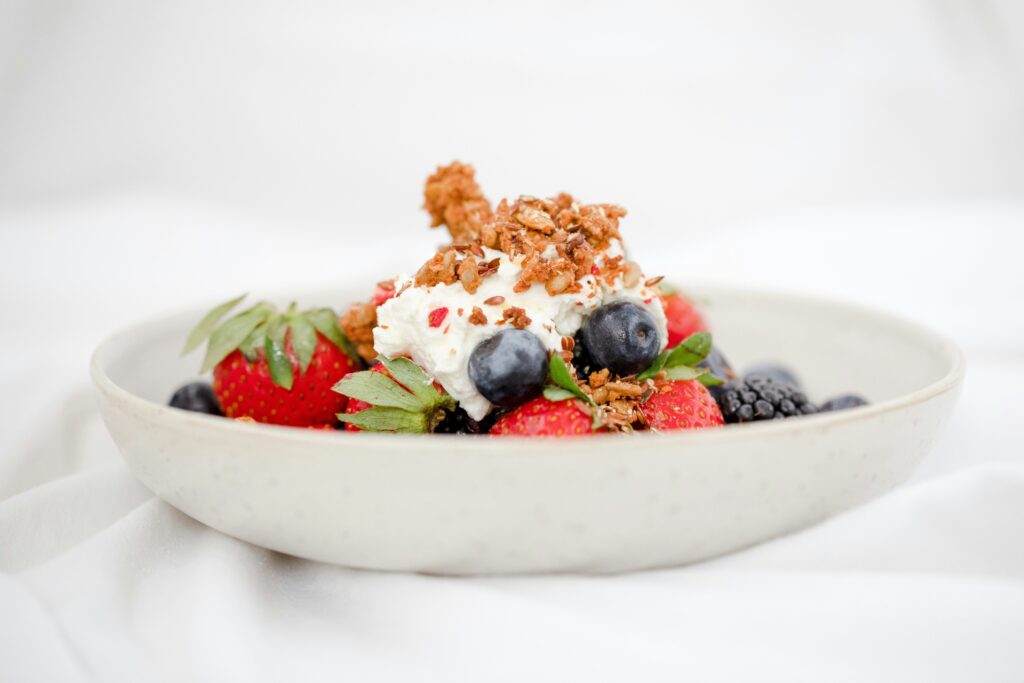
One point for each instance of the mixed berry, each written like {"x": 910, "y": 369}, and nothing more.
{"x": 531, "y": 321}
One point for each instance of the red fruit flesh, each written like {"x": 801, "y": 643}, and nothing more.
{"x": 681, "y": 405}
{"x": 541, "y": 417}
{"x": 245, "y": 389}
{"x": 682, "y": 317}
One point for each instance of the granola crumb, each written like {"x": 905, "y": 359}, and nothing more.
{"x": 495, "y": 300}
{"x": 477, "y": 317}
{"x": 516, "y": 317}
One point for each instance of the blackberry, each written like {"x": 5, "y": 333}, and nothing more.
{"x": 757, "y": 397}
{"x": 844, "y": 402}
{"x": 779, "y": 373}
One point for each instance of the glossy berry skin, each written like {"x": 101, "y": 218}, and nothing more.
{"x": 844, "y": 402}
{"x": 757, "y": 398}
{"x": 682, "y": 318}
{"x": 777, "y": 372}
{"x": 681, "y": 405}
{"x": 459, "y": 422}
{"x": 245, "y": 389}
{"x": 621, "y": 337}
{"x": 197, "y": 397}
{"x": 509, "y": 368}
{"x": 541, "y": 417}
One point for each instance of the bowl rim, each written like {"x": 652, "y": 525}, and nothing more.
{"x": 457, "y": 443}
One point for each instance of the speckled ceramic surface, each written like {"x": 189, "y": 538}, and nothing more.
{"x": 463, "y": 505}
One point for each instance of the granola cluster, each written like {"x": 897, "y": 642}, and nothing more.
{"x": 528, "y": 227}
{"x": 453, "y": 199}
{"x": 357, "y": 323}
{"x": 619, "y": 400}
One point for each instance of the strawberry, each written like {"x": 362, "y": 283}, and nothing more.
{"x": 682, "y": 317}
{"x": 275, "y": 367}
{"x": 681, "y": 405}
{"x": 544, "y": 417}
{"x": 393, "y": 396}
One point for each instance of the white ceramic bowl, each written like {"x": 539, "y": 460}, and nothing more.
{"x": 466, "y": 505}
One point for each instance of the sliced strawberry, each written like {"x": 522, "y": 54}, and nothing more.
{"x": 682, "y": 318}
{"x": 681, "y": 405}
{"x": 543, "y": 417}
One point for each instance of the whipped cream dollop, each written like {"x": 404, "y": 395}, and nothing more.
{"x": 430, "y": 324}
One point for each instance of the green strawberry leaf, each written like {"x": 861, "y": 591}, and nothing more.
{"x": 709, "y": 379}
{"x": 684, "y": 372}
{"x": 256, "y": 339}
{"x": 688, "y": 352}
{"x": 231, "y": 334}
{"x": 562, "y": 378}
{"x": 387, "y": 420}
{"x": 378, "y": 390}
{"x": 557, "y": 394}
{"x": 206, "y": 326}
{"x": 280, "y": 364}
{"x": 326, "y": 323}
{"x": 412, "y": 377}
{"x": 303, "y": 341}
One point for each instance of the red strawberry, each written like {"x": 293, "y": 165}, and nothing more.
{"x": 274, "y": 367}
{"x": 542, "y": 417}
{"x": 681, "y": 405}
{"x": 683, "y": 318}
{"x": 384, "y": 291}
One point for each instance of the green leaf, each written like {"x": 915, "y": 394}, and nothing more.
{"x": 325, "y": 321}
{"x": 412, "y": 377}
{"x": 303, "y": 341}
{"x": 387, "y": 420}
{"x": 684, "y": 372}
{"x": 690, "y": 351}
{"x": 231, "y": 334}
{"x": 379, "y": 390}
{"x": 206, "y": 326}
{"x": 256, "y": 339}
{"x": 709, "y": 379}
{"x": 656, "y": 366}
{"x": 280, "y": 364}
{"x": 562, "y": 377}
{"x": 558, "y": 394}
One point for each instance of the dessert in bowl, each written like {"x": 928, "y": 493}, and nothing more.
{"x": 504, "y": 335}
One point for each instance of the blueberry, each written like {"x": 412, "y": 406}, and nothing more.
{"x": 621, "y": 337}
{"x": 777, "y": 372}
{"x": 720, "y": 368}
{"x": 197, "y": 397}
{"x": 509, "y": 368}
{"x": 844, "y": 402}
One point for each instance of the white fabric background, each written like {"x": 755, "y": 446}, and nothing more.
{"x": 872, "y": 152}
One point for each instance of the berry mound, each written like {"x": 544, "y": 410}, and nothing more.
{"x": 758, "y": 398}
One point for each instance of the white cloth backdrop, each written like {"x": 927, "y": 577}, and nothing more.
{"x": 155, "y": 156}
{"x": 101, "y": 581}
